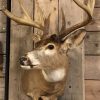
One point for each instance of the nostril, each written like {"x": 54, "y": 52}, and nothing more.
{"x": 22, "y": 60}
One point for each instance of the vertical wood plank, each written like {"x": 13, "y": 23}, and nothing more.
{"x": 1, "y": 88}
{"x": 92, "y": 67}
{"x": 19, "y": 45}
{"x": 75, "y": 85}
{"x": 2, "y": 22}
{"x": 92, "y": 89}
{"x": 49, "y": 7}
{"x": 2, "y": 49}
{"x": 20, "y": 40}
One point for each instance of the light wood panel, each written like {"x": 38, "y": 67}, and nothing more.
{"x": 92, "y": 48}
{"x": 75, "y": 77}
{"x": 92, "y": 67}
{"x": 1, "y": 87}
{"x": 2, "y": 22}
{"x": 92, "y": 43}
{"x": 92, "y": 90}
{"x": 95, "y": 24}
{"x": 21, "y": 37}
{"x": 92, "y": 37}
{"x": 97, "y": 3}
{"x": 2, "y": 43}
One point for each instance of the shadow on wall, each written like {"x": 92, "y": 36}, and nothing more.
{"x": 1, "y": 56}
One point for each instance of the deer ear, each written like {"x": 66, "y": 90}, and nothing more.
{"x": 74, "y": 39}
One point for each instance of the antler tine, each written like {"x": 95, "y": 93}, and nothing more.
{"x": 90, "y": 5}
{"x": 63, "y": 22}
{"x": 88, "y": 9}
{"x": 47, "y": 26}
{"x": 25, "y": 20}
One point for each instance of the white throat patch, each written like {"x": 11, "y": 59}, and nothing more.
{"x": 54, "y": 75}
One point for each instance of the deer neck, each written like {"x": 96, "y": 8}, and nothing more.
{"x": 54, "y": 75}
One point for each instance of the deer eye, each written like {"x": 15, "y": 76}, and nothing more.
{"x": 50, "y": 47}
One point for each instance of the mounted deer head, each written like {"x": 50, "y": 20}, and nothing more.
{"x": 50, "y": 51}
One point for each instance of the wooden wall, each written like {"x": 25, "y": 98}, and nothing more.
{"x": 92, "y": 58}
{"x": 92, "y": 50}
{"x": 2, "y": 50}
{"x": 21, "y": 38}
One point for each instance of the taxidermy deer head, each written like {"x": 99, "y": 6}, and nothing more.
{"x": 48, "y": 62}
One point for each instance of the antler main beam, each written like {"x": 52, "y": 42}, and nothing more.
{"x": 25, "y": 19}
{"x": 88, "y": 9}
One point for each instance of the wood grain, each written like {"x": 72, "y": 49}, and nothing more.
{"x": 20, "y": 40}
{"x": 97, "y": 3}
{"x": 92, "y": 37}
{"x": 95, "y": 24}
{"x": 2, "y": 43}
{"x": 21, "y": 37}
{"x": 92, "y": 43}
{"x": 2, "y": 22}
{"x": 92, "y": 89}
{"x": 92, "y": 48}
{"x": 92, "y": 67}
{"x": 75, "y": 77}
{"x": 2, "y": 3}
{"x": 1, "y": 88}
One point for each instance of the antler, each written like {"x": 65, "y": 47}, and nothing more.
{"x": 25, "y": 19}
{"x": 63, "y": 22}
{"x": 88, "y": 9}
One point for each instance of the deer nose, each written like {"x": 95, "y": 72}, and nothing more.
{"x": 23, "y": 60}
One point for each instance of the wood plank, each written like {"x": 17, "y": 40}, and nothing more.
{"x": 95, "y": 25}
{"x": 92, "y": 89}
{"x": 1, "y": 88}
{"x": 97, "y": 3}
{"x": 1, "y": 82}
{"x": 20, "y": 40}
{"x": 92, "y": 48}
{"x": 2, "y": 2}
{"x": 92, "y": 37}
{"x": 1, "y": 62}
{"x": 19, "y": 45}
{"x": 1, "y": 73}
{"x": 2, "y": 43}
{"x": 92, "y": 43}
{"x": 75, "y": 77}
{"x": 53, "y": 10}
{"x": 2, "y": 22}
{"x": 1, "y": 93}
{"x": 92, "y": 67}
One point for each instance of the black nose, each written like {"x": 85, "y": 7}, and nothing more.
{"x": 23, "y": 60}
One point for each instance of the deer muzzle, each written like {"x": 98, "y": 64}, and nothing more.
{"x": 25, "y": 62}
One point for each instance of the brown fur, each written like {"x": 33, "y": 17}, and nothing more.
{"x": 36, "y": 86}
{"x": 33, "y": 82}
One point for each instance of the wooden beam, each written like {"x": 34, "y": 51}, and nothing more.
{"x": 97, "y": 3}
{"x": 1, "y": 88}
{"x": 92, "y": 90}
{"x": 92, "y": 43}
{"x": 21, "y": 37}
{"x": 92, "y": 67}
{"x": 20, "y": 40}
{"x": 95, "y": 24}
{"x": 2, "y": 23}
{"x": 75, "y": 83}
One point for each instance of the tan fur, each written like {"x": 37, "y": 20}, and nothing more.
{"x": 34, "y": 83}
{"x": 36, "y": 86}
{"x": 41, "y": 59}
